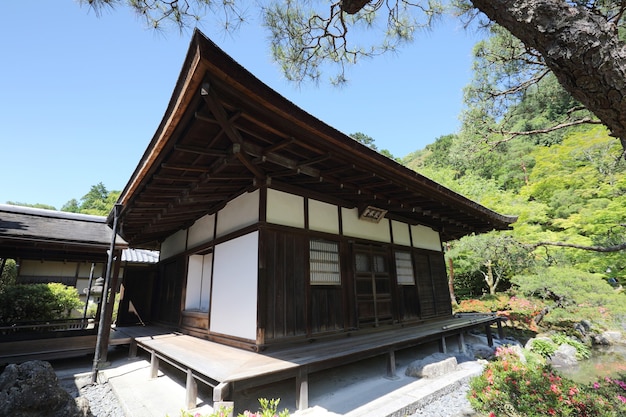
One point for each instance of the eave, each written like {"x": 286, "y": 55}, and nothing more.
{"x": 225, "y": 132}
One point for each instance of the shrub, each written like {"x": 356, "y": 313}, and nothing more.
{"x": 510, "y": 387}
{"x": 269, "y": 408}
{"x": 582, "y": 351}
{"x": 573, "y": 294}
{"x": 543, "y": 347}
{"x": 37, "y": 302}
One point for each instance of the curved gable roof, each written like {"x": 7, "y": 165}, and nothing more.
{"x": 225, "y": 132}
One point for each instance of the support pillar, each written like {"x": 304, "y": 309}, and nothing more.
{"x": 154, "y": 365}
{"x": 462, "y": 343}
{"x": 302, "y": 389}
{"x": 391, "y": 365}
{"x": 489, "y": 335}
{"x": 191, "y": 390}
{"x": 442, "y": 345}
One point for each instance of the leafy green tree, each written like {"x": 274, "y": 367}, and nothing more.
{"x": 494, "y": 257}
{"x": 8, "y": 274}
{"x": 574, "y": 294}
{"x": 578, "y": 41}
{"x": 98, "y": 201}
{"x": 370, "y": 143}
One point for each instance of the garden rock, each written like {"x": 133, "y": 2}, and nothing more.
{"x": 480, "y": 351}
{"x": 31, "y": 389}
{"x": 564, "y": 357}
{"x": 608, "y": 338}
{"x": 432, "y": 366}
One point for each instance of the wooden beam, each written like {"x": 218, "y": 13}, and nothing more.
{"x": 201, "y": 151}
{"x": 191, "y": 168}
{"x": 221, "y": 391}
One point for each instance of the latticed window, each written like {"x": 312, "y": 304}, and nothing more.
{"x": 404, "y": 268}
{"x": 324, "y": 262}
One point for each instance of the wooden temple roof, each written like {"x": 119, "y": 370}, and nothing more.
{"x": 30, "y": 233}
{"x": 226, "y": 132}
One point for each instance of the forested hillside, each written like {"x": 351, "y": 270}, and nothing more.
{"x": 537, "y": 155}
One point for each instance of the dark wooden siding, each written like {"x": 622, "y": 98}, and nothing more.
{"x": 284, "y": 284}
{"x": 432, "y": 284}
{"x": 440, "y": 284}
{"x": 425, "y": 285}
{"x": 138, "y": 283}
{"x": 408, "y": 303}
{"x": 326, "y": 309}
{"x": 289, "y": 307}
{"x": 167, "y": 303}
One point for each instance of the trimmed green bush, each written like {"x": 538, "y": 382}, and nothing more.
{"x": 37, "y": 303}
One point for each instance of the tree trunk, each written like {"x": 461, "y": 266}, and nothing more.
{"x": 581, "y": 48}
{"x": 451, "y": 277}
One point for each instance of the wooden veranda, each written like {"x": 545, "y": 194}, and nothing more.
{"x": 228, "y": 369}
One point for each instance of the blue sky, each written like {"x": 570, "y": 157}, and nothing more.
{"x": 81, "y": 95}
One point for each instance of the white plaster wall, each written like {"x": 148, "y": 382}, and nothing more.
{"x": 173, "y": 245}
{"x": 285, "y": 209}
{"x": 241, "y": 212}
{"x": 401, "y": 235}
{"x": 323, "y": 217}
{"x": 426, "y": 238}
{"x": 354, "y": 227}
{"x": 194, "y": 282}
{"x": 47, "y": 268}
{"x": 201, "y": 231}
{"x": 198, "y": 282}
{"x": 235, "y": 282}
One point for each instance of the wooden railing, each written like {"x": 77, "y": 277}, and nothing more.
{"x": 48, "y": 326}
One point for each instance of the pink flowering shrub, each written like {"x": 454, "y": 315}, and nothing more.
{"x": 510, "y": 387}
{"x": 519, "y": 311}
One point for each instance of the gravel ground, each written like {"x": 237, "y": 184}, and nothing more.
{"x": 104, "y": 403}
{"x": 453, "y": 403}
{"x": 102, "y": 400}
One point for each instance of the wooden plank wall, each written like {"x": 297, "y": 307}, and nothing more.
{"x": 282, "y": 294}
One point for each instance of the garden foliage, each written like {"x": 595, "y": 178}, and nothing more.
{"x": 512, "y": 387}
{"x": 37, "y": 302}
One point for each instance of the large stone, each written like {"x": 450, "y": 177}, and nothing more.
{"x": 432, "y": 366}
{"x": 480, "y": 351}
{"x": 31, "y": 389}
{"x": 610, "y": 337}
{"x": 564, "y": 357}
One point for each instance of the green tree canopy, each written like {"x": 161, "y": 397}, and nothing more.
{"x": 98, "y": 201}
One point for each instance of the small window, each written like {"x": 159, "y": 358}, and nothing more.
{"x": 404, "y": 268}
{"x": 324, "y": 263}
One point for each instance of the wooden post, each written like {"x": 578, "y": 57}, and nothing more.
{"x": 302, "y": 389}
{"x": 108, "y": 315}
{"x": 132, "y": 348}
{"x": 154, "y": 365}
{"x": 442, "y": 345}
{"x": 191, "y": 390}
{"x": 462, "y": 343}
{"x": 489, "y": 335}
{"x": 221, "y": 391}
{"x": 391, "y": 365}
{"x": 500, "y": 329}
